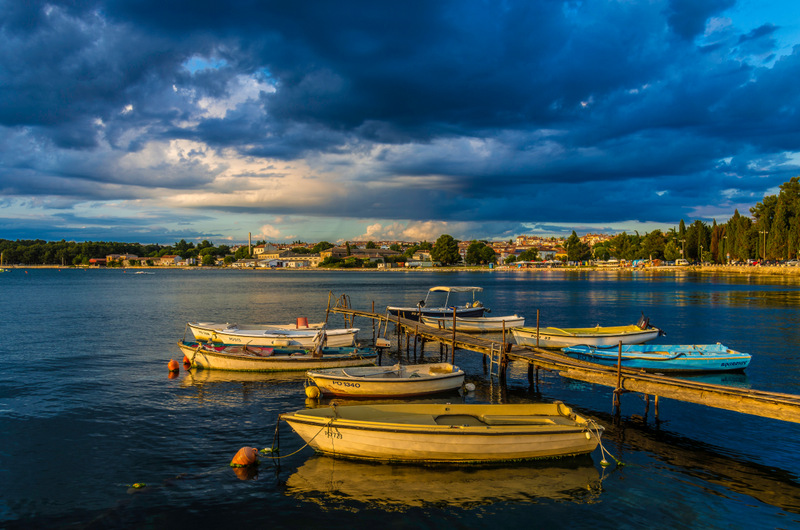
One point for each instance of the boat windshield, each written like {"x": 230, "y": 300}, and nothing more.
{"x": 451, "y": 296}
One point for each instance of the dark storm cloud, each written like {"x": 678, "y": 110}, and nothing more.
{"x": 515, "y": 111}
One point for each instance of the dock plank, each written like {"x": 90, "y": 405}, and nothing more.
{"x": 784, "y": 407}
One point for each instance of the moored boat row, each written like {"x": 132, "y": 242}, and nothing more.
{"x": 437, "y": 433}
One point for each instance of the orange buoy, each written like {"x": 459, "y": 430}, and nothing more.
{"x": 302, "y": 322}
{"x": 247, "y": 456}
{"x": 186, "y": 361}
{"x": 172, "y": 375}
{"x": 173, "y": 365}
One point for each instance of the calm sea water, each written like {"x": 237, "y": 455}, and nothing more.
{"x": 87, "y": 408}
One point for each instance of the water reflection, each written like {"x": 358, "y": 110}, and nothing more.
{"x": 323, "y": 479}
{"x": 232, "y": 388}
{"x": 710, "y": 464}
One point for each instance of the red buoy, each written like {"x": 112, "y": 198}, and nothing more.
{"x": 173, "y": 365}
{"x": 186, "y": 361}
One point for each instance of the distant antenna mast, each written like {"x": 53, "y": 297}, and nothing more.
{"x": 249, "y": 243}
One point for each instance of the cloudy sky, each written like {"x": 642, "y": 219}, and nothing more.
{"x": 145, "y": 121}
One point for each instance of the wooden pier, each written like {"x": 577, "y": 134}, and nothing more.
{"x": 785, "y": 407}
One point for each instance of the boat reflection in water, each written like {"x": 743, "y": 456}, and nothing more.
{"x": 322, "y": 479}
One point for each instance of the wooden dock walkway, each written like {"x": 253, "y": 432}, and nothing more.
{"x": 785, "y": 407}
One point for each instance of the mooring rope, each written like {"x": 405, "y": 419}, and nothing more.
{"x": 596, "y": 432}
{"x": 269, "y": 451}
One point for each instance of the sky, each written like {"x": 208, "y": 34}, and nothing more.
{"x": 151, "y": 122}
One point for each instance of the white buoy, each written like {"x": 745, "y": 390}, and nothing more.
{"x": 469, "y": 387}
{"x": 312, "y": 392}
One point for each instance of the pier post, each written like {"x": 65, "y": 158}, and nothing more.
{"x": 416, "y": 338}
{"x": 453, "y": 357}
{"x": 655, "y": 402}
{"x": 618, "y": 390}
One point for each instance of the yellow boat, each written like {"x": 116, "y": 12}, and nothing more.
{"x": 454, "y": 433}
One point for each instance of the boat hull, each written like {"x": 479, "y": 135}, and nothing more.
{"x": 673, "y": 358}
{"x": 433, "y": 433}
{"x": 414, "y": 313}
{"x": 304, "y": 338}
{"x": 474, "y": 324}
{"x": 280, "y": 361}
{"x": 557, "y": 338}
{"x": 385, "y": 381}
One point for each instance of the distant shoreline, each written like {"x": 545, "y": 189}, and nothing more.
{"x": 706, "y": 269}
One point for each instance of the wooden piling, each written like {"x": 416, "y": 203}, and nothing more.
{"x": 453, "y": 356}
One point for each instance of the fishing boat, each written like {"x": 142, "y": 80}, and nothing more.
{"x": 273, "y": 335}
{"x": 441, "y": 305}
{"x": 551, "y": 337}
{"x": 440, "y": 433}
{"x": 388, "y": 381}
{"x": 474, "y": 324}
{"x": 661, "y": 358}
{"x": 246, "y": 358}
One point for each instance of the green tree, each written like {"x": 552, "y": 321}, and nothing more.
{"x": 322, "y": 245}
{"x": 445, "y": 250}
{"x": 652, "y": 245}
{"x": 529, "y": 254}
{"x": 371, "y": 244}
{"x": 576, "y": 249}
{"x": 474, "y": 254}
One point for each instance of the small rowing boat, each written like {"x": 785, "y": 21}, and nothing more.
{"x": 388, "y": 381}
{"x": 474, "y": 324}
{"x": 277, "y": 335}
{"x": 248, "y": 358}
{"x": 551, "y": 337}
{"x": 661, "y": 358}
{"x": 455, "y": 433}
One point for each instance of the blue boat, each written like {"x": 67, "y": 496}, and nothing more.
{"x": 661, "y": 358}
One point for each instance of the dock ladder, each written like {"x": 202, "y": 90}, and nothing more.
{"x": 495, "y": 358}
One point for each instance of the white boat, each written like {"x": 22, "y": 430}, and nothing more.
{"x": 266, "y": 359}
{"x": 474, "y": 324}
{"x": 388, "y": 381}
{"x": 457, "y": 433}
{"x": 551, "y": 337}
{"x": 273, "y": 335}
{"x": 437, "y": 305}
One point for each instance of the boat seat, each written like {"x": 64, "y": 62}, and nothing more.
{"x": 459, "y": 419}
{"x": 498, "y": 419}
